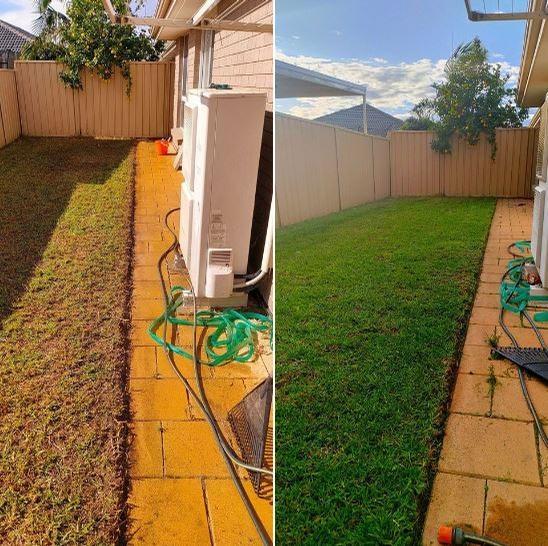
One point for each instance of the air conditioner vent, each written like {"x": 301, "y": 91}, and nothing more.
{"x": 220, "y": 256}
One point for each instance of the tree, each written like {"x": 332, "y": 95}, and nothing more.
{"x": 49, "y": 21}
{"x": 474, "y": 98}
{"x": 89, "y": 40}
{"x": 422, "y": 118}
{"x": 47, "y": 45}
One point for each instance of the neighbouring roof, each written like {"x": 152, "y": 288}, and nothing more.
{"x": 294, "y": 81}
{"x": 378, "y": 122}
{"x": 13, "y": 38}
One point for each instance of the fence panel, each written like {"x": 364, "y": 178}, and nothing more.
{"x": 355, "y": 164}
{"x": 102, "y": 109}
{"x": 306, "y": 170}
{"x": 321, "y": 169}
{"x": 381, "y": 167}
{"x": 468, "y": 170}
{"x": 10, "y": 125}
{"x": 47, "y": 106}
{"x": 414, "y": 166}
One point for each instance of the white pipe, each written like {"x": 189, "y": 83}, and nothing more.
{"x": 267, "y": 250}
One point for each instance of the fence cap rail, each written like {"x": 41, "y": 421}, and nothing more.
{"x": 329, "y": 126}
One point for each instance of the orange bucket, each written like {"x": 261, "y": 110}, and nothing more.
{"x": 161, "y": 147}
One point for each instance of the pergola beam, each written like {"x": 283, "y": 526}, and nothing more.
{"x": 184, "y": 24}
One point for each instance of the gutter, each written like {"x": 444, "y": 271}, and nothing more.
{"x": 532, "y": 35}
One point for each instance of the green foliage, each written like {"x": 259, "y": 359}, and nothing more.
{"x": 47, "y": 45}
{"x": 473, "y": 99}
{"x": 42, "y": 48}
{"x": 89, "y": 40}
{"x": 423, "y": 118}
{"x": 414, "y": 123}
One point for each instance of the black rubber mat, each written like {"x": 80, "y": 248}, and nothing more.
{"x": 530, "y": 359}
{"x": 249, "y": 420}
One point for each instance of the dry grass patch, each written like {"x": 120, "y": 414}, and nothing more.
{"x": 65, "y": 226}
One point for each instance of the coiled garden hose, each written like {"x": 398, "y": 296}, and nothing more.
{"x": 233, "y": 338}
{"x": 515, "y": 297}
{"x": 228, "y": 454}
{"x": 457, "y": 536}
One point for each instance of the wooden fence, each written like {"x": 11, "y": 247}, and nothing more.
{"x": 321, "y": 169}
{"x": 102, "y": 108}
{"x": 468, "y": 170}
{"x": 10, "y": 125}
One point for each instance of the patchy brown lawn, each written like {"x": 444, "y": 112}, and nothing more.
{"x": 65, "y": 232}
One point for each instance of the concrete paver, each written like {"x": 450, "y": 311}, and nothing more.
{"x": 456, "y": 500}
{"x": 494, "y": 448}
{"x": 167, "y": 511}
{"x": 180, "y": 490}
{"x": 517, "y": 514}
{"x": 492, "y": 470}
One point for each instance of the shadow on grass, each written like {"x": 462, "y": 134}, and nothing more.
{"x": 37, "y": 178}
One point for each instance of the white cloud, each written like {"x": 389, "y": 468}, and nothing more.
{"x": 393, "y": 87}
{"x": 336, "y": 32}
{"x": 497, "y": 55}
{"x": 295, "y": 37}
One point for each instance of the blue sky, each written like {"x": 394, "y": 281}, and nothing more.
{"x": 22, "y": 12}
{"x": 396, "y": 48}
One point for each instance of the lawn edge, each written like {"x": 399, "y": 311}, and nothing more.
{"x": 125, "y": 330}
{"x": 450, "y": 381}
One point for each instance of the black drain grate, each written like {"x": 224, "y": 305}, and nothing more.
{"x": 249, "y": 420}
{"x": 531, "y": 359}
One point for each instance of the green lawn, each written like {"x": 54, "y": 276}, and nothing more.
{"x": 371, "y": 306}
{"x": 65, "y": 227}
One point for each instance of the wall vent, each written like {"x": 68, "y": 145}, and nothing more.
{"x": 220, "y": 256}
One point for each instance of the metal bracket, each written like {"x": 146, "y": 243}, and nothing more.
{"x": 477, "y": 16}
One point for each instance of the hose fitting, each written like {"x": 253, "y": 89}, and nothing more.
{"x": 457, "y": 536}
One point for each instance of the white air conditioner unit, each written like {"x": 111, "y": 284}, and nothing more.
{"x": 539, "y": 231}
{"x": 221, "y": 149}
{"x": 538, "y": 222}
{"x": 189, "y": 138}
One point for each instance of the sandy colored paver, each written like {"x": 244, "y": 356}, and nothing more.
{"x": 181, "y": 492}
{"x": 492, "y": 471}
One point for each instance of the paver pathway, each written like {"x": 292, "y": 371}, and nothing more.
{"x": 181, "y": 493}
{"x": 492, "y": 473}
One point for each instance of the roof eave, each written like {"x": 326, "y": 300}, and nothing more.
{"x": 533, "y": 32}
{"x": 161, "y": 9}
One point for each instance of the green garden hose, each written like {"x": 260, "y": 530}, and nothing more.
{"x": 233, "y": 337}
{"x": 515, "y": 293}
{"x": 515, "y": 297}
